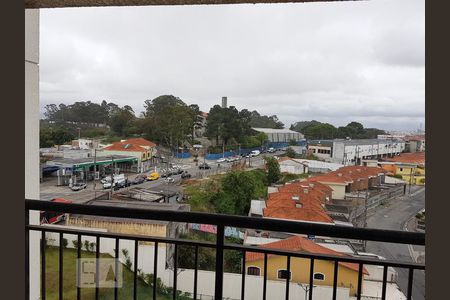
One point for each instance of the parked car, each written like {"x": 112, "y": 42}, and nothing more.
{"x": 204, "y": 166}
{"x": 138, "y": 180}
{"x": 185, "y": 174}
{"x": 222, "y": 160}
{"x": 255, "y": 153}
{"x": 169, "y": 180}
{"x": 78, "y": 186}
{"x": 153, "y": 176}
{"x": 271, "y": 150}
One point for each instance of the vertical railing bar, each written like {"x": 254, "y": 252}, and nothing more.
{"x": 288, "y": 276}
{"x": 219, "y": 262}
{"x": 136, "y": 246}
{"x": 78, "y": 266}
{"x": 335, "y": 278}
{"x": 195, "y": 272}
{"x": 410, "y": 283}
{"x": 60, "y": 283}
{"x": 97, "y": 266}
{"x": 243, "y": 276}
{"x": 311, "y": 278}
{"x": 383, "y": 289}
{"x": 43, "y": 280}
{"x": 265, "y": 277}
{"x": 175, "y": 271}
{"x": 155, "y": 269}
{"x": 360, "y": 273}
{"x": 116, "y": 277}
{"x": 27, "y": 255}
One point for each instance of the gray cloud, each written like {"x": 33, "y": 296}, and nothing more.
{"x": 333, "y": 62}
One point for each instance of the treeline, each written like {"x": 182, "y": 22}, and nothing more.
{"x": 317, "y": 130}
{"x": 167, "y": 120}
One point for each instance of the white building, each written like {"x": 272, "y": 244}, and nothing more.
{"x": 352, "y": 152}
{"x": 292, "y": 166}
{"x": 280, "y": 135}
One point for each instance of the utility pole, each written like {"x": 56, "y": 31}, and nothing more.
{"x": 112, "y": 177}
{"x": 410, "y": 180}
{"x": 365, "y": 215}
{"x": 95, "y": 171}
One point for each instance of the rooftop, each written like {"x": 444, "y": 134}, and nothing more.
{"x": 272, "y": 130}
{"x": 297, "y": 243}
{"x": 411, "y": 158}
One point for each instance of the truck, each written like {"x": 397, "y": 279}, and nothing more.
{"x": 117, "y": 179}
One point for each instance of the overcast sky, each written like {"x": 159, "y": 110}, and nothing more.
{"x": 332, "y": 62}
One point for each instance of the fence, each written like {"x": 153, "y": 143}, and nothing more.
{"x": 219, "y": 246}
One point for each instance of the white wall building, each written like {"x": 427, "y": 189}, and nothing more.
{"x": 281, "y": 135}
{"x": 352, "y": 152}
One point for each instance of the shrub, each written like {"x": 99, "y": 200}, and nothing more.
{"x": 86, "y": 245}
{"x": 64, "y": 243}
{"x": 75, "y": 244}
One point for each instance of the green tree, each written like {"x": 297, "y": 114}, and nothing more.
{"x": 241, "y": 187}
{"x": 291, "y": 153}
{"x": 273, "y": 170}
{"x": 122, "y": 120}
{"x": 261, "y": 137}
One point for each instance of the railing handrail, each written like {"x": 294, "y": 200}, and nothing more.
{"x": 380, "y": 235}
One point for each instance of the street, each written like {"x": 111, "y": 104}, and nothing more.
{"x": 394, "y": 216}
{"x": 49, "y": 190}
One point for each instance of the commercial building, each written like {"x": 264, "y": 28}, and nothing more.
{"x": 323, "y": 269}
{"x": 281, "y": 135}
{"x": 73, "y": 169}
{"x": 352, "y": 152}
{"x": 415, "y": 143}
{"x": 139, "y": 148}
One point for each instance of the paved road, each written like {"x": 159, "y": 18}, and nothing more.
{"x": 394, "y": 216}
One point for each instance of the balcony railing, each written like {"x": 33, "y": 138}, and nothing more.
{"x": 221, "y": 222}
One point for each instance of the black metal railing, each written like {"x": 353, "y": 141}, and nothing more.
{"x": 220, "y": 221}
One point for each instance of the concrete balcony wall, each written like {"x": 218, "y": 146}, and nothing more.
{"x": 32, "y": 137}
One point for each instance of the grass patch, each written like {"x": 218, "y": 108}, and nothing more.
{"x": 144, "y": 290}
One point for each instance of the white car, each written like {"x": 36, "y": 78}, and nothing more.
{"x": 255, "y": 153}
{"x": 169, "y": 180}
{"x": 222, "y": 160}
{"x": 78, "y": 186}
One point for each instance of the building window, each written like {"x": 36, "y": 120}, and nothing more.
{"x": 283, "y": 274}
{"x": 254, "y": 271}
{"x": 401, "y": 169}
{"x": 319, "y": 276}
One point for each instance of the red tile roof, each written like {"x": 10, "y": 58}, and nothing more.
{"x": 299, "y": 214}
{"x": 297, "y": 243}
{"x": 412, "y": 158}
{"x": 123, "y": 146}
{"x": 140, "y": 142}
{"x": 133, "y": 144}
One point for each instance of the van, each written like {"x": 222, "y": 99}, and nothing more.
{"x": 255, "y": 153}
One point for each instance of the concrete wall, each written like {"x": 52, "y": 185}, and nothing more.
{"x": 32, "y": 138}
{"x": 338, "y": 190}
{"x": 292, "y": 167}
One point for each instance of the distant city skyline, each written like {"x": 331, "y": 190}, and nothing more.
{"x": 330, "y": 62}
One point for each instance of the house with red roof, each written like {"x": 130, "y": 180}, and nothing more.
{"x": 299, "y": 267}
{"x": 301, "y": 201}
{"x": 140, "y": 148}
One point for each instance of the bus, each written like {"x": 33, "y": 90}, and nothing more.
{"x": 53, "y": 217}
